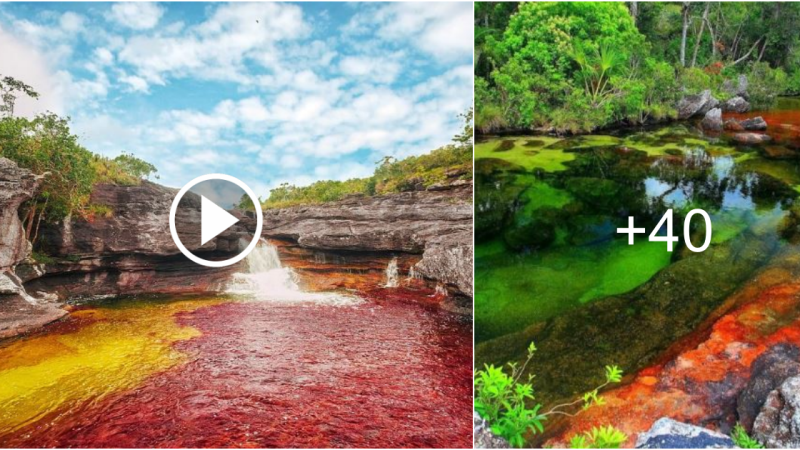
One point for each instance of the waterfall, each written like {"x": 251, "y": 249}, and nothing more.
{"x": 267, "y": 280}
{"x": 392, "y": 274}
{"x": 413, "y": 275}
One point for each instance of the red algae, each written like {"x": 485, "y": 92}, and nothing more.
{"x": 781, "y": 123}
{"x": 701, "y": 384}
{"x": 390, "y": 372}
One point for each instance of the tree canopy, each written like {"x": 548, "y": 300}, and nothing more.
{"x": 46, "y": 146}
{"x": 576, "y": 66}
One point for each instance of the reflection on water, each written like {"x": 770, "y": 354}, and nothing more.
{"x": 551, "y": 267}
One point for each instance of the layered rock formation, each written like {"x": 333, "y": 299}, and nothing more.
{"x": 425, "y": 235}
{"x": 19, "y": 311}
{"x": 429, "y": 231}
{"x": 131, "y": 251}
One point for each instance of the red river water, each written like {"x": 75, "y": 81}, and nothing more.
{"x": 390, "y": 372}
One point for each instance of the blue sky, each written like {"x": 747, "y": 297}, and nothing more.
{"x": 265, "y": 92}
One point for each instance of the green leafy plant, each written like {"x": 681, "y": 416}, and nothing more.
{"x": 742, "y": 439}
{"x": 509, "y": 407}
{"x": 599, "y": 437}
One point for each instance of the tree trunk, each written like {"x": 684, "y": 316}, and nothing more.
{"x": 685, "y": 12}
{"x": 29, "y": 221}
{"x": 746, "y": 54}
{"x": 700, "y": 34}
{"x": 634, "y": 8}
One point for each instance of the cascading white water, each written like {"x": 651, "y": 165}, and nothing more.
{"x": 267, "y": 280}
{"x": 392, "y": 274}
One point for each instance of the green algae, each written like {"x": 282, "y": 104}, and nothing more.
{"x": 526, "y": 152}
{"x": 540, "y": 194}
{"x": 531, "y": 288}
{"x": 634, "y": 328}
{"x": 589, "y": 297}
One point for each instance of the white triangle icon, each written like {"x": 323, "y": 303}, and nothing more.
{"x": 213, "y": 220}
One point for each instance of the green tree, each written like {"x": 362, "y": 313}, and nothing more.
{"x": 135, "y": 167}
{"x": 10, "y": 89}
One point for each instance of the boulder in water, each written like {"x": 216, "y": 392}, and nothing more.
{"x": 751, "y": 138}
{"x": 754, "y": 124}
{"x": 736, "y": 104}
{"x": 768, "y": 371}
{"x": 668, "y": 433}
{"x": 713, "y": 120}
{"x": 733, "y": 125}
{"x": 695, "y": 105}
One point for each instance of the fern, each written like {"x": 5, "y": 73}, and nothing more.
{"x": 742, "y": 439}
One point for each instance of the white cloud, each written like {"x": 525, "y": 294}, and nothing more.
{"x": 378, "y": 69}
{"x": 136, "y": 15}
{"x": 103, "y": 56}
{"x": 217, "y": 48}
{"x": 291, "y": 161}
{"x": 26, "y": 63}
{"x": 71, "y": 22}
{"x": 444, "y": 30}
{"x": 135, "y": 84}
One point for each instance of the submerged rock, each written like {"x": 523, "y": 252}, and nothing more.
{"x": 778, "y": 423}
{"x": 713, "y": 120}
{"x": 751, "y": 138}
{"x": 779, "y": 152}
{"x": 668, "y": 433}
{"x": 736, "y": 104}
{"x": 767, "y": 373}
{"x": 754, "y": 124}
{"x": 733, "y": 125}
{"x": 695, "y": 105}
{"x": 534, "y": 234}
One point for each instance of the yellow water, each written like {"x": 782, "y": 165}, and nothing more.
{"x": 109, "y": 350}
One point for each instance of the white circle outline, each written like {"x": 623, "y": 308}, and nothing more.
{"x": 174, "y": 232}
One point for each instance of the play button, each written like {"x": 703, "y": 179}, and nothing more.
{"x": 215, "y": 220}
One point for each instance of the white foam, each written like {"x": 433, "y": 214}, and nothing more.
{"x": 392, "y": 274}
{"x": 267, "y": 280}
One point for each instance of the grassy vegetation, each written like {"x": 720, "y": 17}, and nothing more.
{"x": 450, "y": 162}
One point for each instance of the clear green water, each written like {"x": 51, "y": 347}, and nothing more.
{"x": 548, "y": 209}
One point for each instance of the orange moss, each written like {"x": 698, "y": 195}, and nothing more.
{"x": 682, "y": 388}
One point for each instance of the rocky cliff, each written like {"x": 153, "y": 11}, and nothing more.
{"x": 426, "y": 235}
{"x": 19, "y": 311}
{"x": 430, "y": 232}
